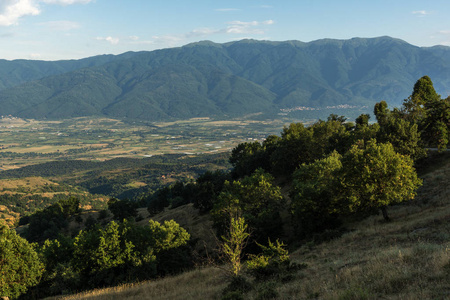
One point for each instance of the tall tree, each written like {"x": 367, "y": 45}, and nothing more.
{"x": 402, "y": 133}
{"x": 431, "y": 113}
{"x": 374, "y": 175}
{"x": 20, "y": 267}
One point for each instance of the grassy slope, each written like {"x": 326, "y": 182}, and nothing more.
{"x": 407, "y": 258}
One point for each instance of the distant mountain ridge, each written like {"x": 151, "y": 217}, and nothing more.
{"x": 207, "y": 79}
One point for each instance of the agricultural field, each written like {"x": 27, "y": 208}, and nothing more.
{"x": 26, "y": 142}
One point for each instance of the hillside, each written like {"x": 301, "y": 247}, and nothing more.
{"x": 406, "y": 258}
{"x": 206, "y": 79}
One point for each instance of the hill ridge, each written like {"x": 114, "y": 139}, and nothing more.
{"x": 207, "y": 79}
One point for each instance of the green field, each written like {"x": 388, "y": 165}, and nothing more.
{"x": 26, "y": 142}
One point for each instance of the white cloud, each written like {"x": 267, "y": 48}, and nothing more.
{"x": 421, "y": 12}
{"x": 444, "y": 32}
{"x": 12, "y": 10}
{"x": 110, "y": 39}
{"x": 202, "y": 32}
{"x": 61, "y": 25}
{"x": 253, "y": 27}
{"x": 241, "y": 28}
{"x": 66, "y": 2}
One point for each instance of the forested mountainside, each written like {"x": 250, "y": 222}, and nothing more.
{"x": 220, "y": 80}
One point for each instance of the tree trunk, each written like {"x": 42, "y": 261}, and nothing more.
{"x": 385, "y": 213}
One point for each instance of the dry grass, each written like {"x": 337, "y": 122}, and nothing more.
{"x": 198, "y": 284}
{"x": 29, "y": 182}
{"x": 407, "y": 258}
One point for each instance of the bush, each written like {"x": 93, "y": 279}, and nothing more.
{"x": 273, "y": 260}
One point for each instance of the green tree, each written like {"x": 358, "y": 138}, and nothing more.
{"x": 374, "y": 175}
{"x": 101, "y": 249}
{"x": 209, "y": 185}
{"x": 124, "y": 252}
{"x": 167, "y": 235}
{"x": 273, "y": 260}
{"x": 300, "y": 144}
{"x": 422, "y": 96}
{"x": 257, "y": 200}
{"x": 363, "y": 120}
{"x": 245, "y": 158}
{"x": 314, "y": 189}
{"x": 295, "y": 148}
{"x": 20, "y": 266}
{"x": 234, "y": 242}
{"x": 49, "y": 222}
{"x": 431, "y": 113}
{"x": 403, "y": 134}
{"x": 123, "y": 209}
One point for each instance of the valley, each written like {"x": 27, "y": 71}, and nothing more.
{"x": 26, "y": 142}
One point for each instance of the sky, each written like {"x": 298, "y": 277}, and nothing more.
{"x": 74, "y": 29}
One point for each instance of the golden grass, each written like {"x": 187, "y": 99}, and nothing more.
{"x": 30, "y": 182}
{"x": 41, "y": 149}
{"x": 203, "y": 283}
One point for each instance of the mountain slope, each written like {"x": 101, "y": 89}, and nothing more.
{"x": 231, "y": 79}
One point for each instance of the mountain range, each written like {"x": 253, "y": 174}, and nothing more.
{"x": 207, "y": 79}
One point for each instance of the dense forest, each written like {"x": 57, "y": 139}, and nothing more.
{"x": 207, "y": 79}
{"x": 299, "y": 186}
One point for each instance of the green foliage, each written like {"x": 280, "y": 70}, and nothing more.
{"x": 48, "y": 223}
{"x": 315, "y": 187}
{"x": 123, "y": 209}
{"x": 233, "y": 244}
{"x": 363, "y": 120}
{"x": 400, "y": 132}
{"x": 208, "y": 187}
{"x": 373, "y": 175}
{"x": 294, "y": 148}
{"x": 370, "y": 175}
{"x": 167, "y": 235}
{"x": 300, "y": 144}
{"x": 232, "y": 79}
{"x": 20, "y": 266}
{"x": 246, "y": 158}
{"x": 273, "y": 260}
{"x": 125, "y": 252}
{"x": 256, "y": 199}
{"x": 431, "y": 113}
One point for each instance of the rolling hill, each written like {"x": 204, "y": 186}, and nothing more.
{"x": 206, "y": 79}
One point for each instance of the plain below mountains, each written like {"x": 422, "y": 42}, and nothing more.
{"x": 207, "y": 79}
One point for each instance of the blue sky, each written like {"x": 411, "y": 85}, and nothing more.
{"x": 65, "y": 29}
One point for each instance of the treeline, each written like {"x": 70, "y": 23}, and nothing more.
{"x": 26, "y": 204}
{"x": 333, "y": 169}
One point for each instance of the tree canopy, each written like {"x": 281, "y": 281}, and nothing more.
{"x": 20, "y": 266}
